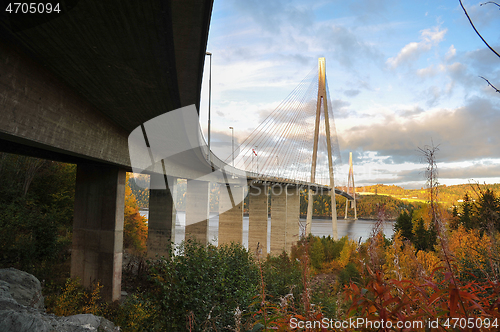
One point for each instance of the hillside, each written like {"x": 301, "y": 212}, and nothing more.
{"x": 447, "y": 195}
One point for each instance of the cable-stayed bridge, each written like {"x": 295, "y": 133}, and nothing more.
{"x": 75, "y": 88}
{"x": 294, "y": 149}
{"x": 282, "y": 146}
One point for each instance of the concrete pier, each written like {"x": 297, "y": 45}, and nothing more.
{"x": 285, "y": 213}
{"x": 162, "y": 216}
{"x": 278, "y": 219}
{"x": 230, "y": 214}
{"x": 97, "y": 250}
{"x": 258, "y": 214}
{"x": 197, "y": 210}
{"x": 292, "y": 217}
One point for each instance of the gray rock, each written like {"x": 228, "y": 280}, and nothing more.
{"x": 22, "y": 321}
{"x": 24, "y": 287}
{"x": 22, "y": 309}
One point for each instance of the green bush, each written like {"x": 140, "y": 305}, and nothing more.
{"x": 348, "y": 274}
{"x": 282, "y": 276}
{"x": 205, "y": 283}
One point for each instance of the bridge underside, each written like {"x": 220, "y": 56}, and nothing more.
{"x": 74, "y": 84}
{"x": 96, "y": 71}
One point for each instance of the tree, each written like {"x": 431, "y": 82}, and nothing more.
{"x": 135, "y": 229}
{"x": 487, "y": 211}
{"x": 404, "y": 226}
{"x": 465, "y": 216}
{"x": 484, "y": 41}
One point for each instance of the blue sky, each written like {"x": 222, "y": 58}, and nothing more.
{"x": 400, "y": 73}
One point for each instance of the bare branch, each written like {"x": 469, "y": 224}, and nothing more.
{"x": 490, "y": 84}
{"x": 470, "y": 21}
{"x": 492, "y": 2}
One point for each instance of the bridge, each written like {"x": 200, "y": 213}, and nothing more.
{"x": 76, "y": 85}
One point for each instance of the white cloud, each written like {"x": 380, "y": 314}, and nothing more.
{"x": 413, "y": 50}
{"x": 427, "y": 72}
{"x": 451, "y": 53}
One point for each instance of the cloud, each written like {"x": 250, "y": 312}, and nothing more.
{"x": 345, "y": 46}
{"x": 428, "y": 72}
{"x": 411, "y": 112}
{"x": 451, "y": 53}
{"x": 465, "y": 133}
{"x": 275, "y": 15}
{"x": 341, "y": 109}
{"x": 352, "y": 92}
{"x": 477, "y": 170}
{"x": 413, "y": 50}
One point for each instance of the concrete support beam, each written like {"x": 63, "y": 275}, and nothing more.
{"x": 162, "y": 216}
{"x": 292, "y": 217}
{"x": 97, "y": 250}
{"x": 230, "y": 214}
{"x": 278, "y": 219}
{"x": 258, "y": 214}
{"x": 285, "y": 213}
{"x": 197, "y": 210}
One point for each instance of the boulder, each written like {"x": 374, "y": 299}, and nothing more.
{"x": 22, "y": 309}
{"x": 25, "y": 288}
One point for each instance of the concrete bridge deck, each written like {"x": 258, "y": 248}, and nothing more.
{"x": 75, "y": 84}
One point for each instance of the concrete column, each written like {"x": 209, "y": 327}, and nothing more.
{"x": 292, "y": 217}
{"x": 162, "y": 215}
{"x": 278, "y": 219}
{"x": 285, "y": 214}
{"x": 97, "y": 249}
{"x": 230, "y": 214}
{"x": 197, "y": 210}
{"x": 258, "y": 214}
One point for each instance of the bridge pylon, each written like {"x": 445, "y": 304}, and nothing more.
{"x": 322, "y": 100}
{"x": 351, "y": 190}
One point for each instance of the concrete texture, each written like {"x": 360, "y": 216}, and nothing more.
{"x": 98, "y": 227}
{"x": 285, "y": 213}
{"x": 162, "y": 216}
{"x": 122, "y": 62}
{"x": 278, "y": 219}
{"x": 197, "y": 210}
{"x": 258, "y": 215}
{"x": 292, "y": 217}
{"x": 230, "y": 214}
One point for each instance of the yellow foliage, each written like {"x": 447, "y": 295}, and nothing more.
{"x": 134, "y": 314}
{"x": 135, "y": 229}
{"x": 429, "y": 261}
{"x": 347, "y": 253}
{"x": 74, "y": 299}
{"x": 470, "y": 246}
{"x": 402, "y": 263}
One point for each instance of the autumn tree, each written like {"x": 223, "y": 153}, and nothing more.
{"x": 135, "y": 229}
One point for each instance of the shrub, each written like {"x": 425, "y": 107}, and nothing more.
{"x": 282, "y": 276}
{"x": 205, "y": 283}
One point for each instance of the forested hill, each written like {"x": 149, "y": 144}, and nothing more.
{"x": 448, "y": 195}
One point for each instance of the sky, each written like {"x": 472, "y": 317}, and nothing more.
{"x": 402, "y": 75}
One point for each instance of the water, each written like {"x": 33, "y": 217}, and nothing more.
{"x": 354, "y": 229}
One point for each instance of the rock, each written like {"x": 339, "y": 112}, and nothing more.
{"x": 24, "y": 287}
{"x": 22, "y": 309}
{"x": 23, "y": 321}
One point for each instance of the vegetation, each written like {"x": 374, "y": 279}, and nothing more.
{"x": 36, "y": 200}
{"x": 441, "y": 267}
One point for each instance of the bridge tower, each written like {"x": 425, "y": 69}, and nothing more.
{"x": 322, "y": 100}
{"x": 351, "y": 190}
